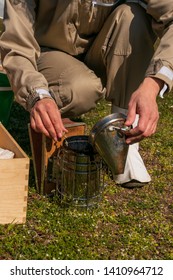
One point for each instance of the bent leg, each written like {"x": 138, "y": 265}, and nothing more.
{"x": 75, "y": 87}
{"x": 124, "y": 48}
{"x": 122, "y": 52}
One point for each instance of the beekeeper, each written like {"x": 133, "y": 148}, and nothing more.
{"x": 62, "y": 57}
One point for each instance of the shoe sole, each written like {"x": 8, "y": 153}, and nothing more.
{"x": 132, "y": 185}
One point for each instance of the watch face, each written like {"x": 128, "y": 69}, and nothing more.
{"x": 36, "y": 95}
{"x": 42, "y": 93}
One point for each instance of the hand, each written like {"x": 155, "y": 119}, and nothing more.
{"x": 46, "y": 118}
{"x": 143, "y": 102}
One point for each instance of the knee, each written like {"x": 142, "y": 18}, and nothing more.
{"x": 134, "y": 25}
{"x": 130, "y": 14}
{"x": 86, "y": 92}
{"x": 123, "y": 14}
{"x": 81, "y": 94}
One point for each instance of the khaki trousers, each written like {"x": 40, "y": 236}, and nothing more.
{"x": 113, "y": 67}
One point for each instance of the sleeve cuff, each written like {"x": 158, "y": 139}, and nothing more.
{"x": 163, "y": 73}
{"x": 166, "y": 75}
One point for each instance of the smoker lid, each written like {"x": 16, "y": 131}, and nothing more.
{"x": 78, "y": 144}
{"x": 104, "y": 122}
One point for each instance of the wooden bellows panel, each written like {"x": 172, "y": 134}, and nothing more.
{"x": 43, "y": 148}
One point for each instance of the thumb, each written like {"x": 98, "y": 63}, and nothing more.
{"x": 131, "y": 116}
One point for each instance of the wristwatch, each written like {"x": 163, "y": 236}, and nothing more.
{"x": 36, "y": 95}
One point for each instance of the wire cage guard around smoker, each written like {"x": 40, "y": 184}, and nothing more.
{"x": 79, "y": 173}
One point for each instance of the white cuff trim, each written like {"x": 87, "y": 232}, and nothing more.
{"x": 161, "y": 93}
{"x": 166, "y": 72}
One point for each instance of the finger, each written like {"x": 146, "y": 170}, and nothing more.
{"x": 138, "y": 134}
{"x": 48, "y": 119}
{"x": 38, "y": 126}
{"x": 57, "y": 123}
{"x": 148, "y": 126}
{"x": 140, "y": 137}
{"x": 136, "y": 139}
{"x": 52, "y": 121}
{"x": 131, "y": 116}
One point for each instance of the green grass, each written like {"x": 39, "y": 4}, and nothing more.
{"x": 128, "y": 224}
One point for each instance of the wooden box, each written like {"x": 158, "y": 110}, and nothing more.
{"x": 14, "y": 174}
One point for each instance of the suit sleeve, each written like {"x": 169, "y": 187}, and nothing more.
{"x": 20, "y": 50}
{"x": 161, "y": 65}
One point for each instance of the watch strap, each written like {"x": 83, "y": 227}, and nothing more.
{"x": 36, "y": 95}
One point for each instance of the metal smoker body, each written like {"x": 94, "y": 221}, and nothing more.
{"x": 108, "y": 138}
{"x": 79, "y": 173}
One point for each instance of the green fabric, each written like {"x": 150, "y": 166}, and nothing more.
{"x": 4, "y": 82}
{"x": 6, "y": 99}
